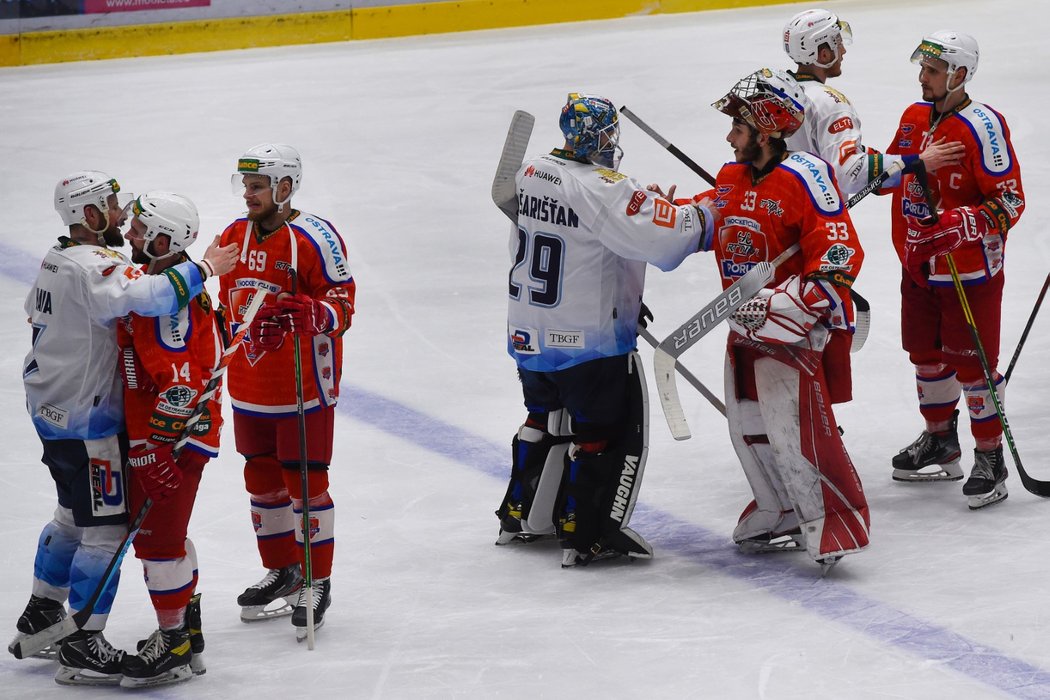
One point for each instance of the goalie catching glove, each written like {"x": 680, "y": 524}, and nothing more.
{"x": 784, "y": 315}
{"x": 155, "y": 469}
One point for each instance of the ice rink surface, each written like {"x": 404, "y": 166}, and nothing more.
{"x": 399, "y": 140}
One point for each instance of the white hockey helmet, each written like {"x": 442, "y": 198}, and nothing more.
{"x": 770, "y": 101}
{"x": 807, "y": 31}
{"x": 275, "y": 160}
{"x": 956, "y": 49}
{"x": 170, "y": 214}
{"x": 76, "y": 191}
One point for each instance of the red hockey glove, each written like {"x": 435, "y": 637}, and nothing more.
{"x": 955, "y": 227}
{"x": 266, "y": 331}
{"x": 132, "y": 373}
{"x": 304, "y": 315}
{"x": 155, "y": 469}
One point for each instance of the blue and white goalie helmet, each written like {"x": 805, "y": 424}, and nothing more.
{"x": 170, "y": 214}
{"x": 956, "y": 49}
{"x": 591, "y": 128}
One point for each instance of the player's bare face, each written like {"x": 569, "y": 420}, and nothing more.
{"x": 116, "y": 216}
{"x": 744, "y": 142}
{"x": 836, "y": 67}
{"x": 136, "y": 236}
{"x": 258, "y": 197}
{"x": 933, "y": 79}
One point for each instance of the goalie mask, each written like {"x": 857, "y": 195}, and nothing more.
{"x": 80, "y": 189}
{"x": 956, "y": 49}
{"x": 274, "y": 160}
{"x": 591, "y": 128}
{"x": 771, "y": 102}
{"x": 166, "y": 213}
{"x": 807, "y": 31}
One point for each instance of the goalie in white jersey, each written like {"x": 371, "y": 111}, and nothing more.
{"x": 816, "y": 41}
{"x": 578, "y": 254}
{"x": 74, "y": 395}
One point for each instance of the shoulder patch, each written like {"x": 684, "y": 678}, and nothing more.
{"x": 836, "y": 95}
{"x": 610, "y": 176}
{"x": 816, "y": 177}
{"x": 987, "y": 128}
{"x": 325, "y": 238}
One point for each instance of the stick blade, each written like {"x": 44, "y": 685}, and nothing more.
{"x": 503, "y": 194}
{"x": 24, "y": 648}
{"x": 667, "y": 388}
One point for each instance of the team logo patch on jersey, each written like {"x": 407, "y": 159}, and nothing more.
{"x": 975, "y": 404}
{"x": 107, "y": 487}
{"x": 610, "y": 176}
{"x": 637, "y": 200}
{"x": 837, "y": 257}
{"x": 916, "y": 210}
{"x": 564, "y": 339}
{"x": 840, "y": 125}
{"x": 179, "y": 395}
{"x": 664, "y": 213}
{"x": 907, "y": 128}
{"x": 772, "y": 206}
{"x": 53, "y": 415}
{"x": 523, "y": 341}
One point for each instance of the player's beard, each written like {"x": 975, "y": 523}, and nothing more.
{"x": 264, "y": 213}
{"x": 751, "y": 151}
{"x": 113, "y": 238}
{"x": 139, "y": 256}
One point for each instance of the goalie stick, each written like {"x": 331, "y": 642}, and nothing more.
{"x": 666, "y": 354}
{"x": 689, "y": 376}
{"x": 503, "y": 186}
{"x": 34, "y": 643}
{"x": 1032, "y": 485}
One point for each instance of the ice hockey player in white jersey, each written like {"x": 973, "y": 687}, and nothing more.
{"x": 816, "y": 41}
{"x": 74, "y": 395}
{"x": 585, "y": 233}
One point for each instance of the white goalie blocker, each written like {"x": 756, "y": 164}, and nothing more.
{"x": 791, "y": 452}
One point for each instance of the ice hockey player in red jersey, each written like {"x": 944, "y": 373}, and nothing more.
{"x": 978, "y": 201}
{"x": 788, "y": 348}
{"x": 166, "y": 362}
{"x": 299, "y": 261}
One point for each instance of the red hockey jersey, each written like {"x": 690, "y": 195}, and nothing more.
{"x": 988, "y": 178}
{"x": 262, "y": 382}
{"x": 179, "y": 353}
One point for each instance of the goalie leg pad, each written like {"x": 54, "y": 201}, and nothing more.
{"x": 537, "y": 466}
{"x": 771, "y": 513}
{"x": 816, "y": 469}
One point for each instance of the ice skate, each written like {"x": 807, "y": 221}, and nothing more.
{"x": 163, "y": 660}
{"x": 622, "y": 543}
{"x": 193, "y": 626}
{"x": 513, "y": 528}
{"x": 86, "y": 658}
{"x": 790, "y": 541}
{"x": 987, "y": 482}
{"x": 40, "y": 613}
{"x": 322, "y": 598}
{"x": 827, "y": 564}
{"x": 932, "y": 457}
{"x": 277, "y": 586}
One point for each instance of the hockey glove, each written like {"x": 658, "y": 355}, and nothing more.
{"x": 266, "y": 331}
{"x": 304, "y": 315}
{"x": 133, "y": 374}
{"x": 155, "y": 469}
{"x": 644, "y": 316}
{"x": 955, "y": 227}
{"x": 784, "y": 315}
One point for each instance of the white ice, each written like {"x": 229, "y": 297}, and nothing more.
{"x": 400, "y": 140}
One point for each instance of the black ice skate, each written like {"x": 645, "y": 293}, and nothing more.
{"x": 932, "y": 457}
{"x": 987, "y": 482}
{"x": 788, "y": 541}
{"x": 40, "y": 613}
{"x": 164, "y": 659}
{"x": 278, "y": 585}
{"x": 322, "y": 598}
{"x": 623, "y": 543}
{"x": 86, "y": 658}
{"x": 193, "y": 626}
{"x": 513, "y": 527}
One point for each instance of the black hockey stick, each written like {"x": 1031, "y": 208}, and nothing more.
{"x": 304, "y": 477}
{"x": 34, "y": 643}
{"x": 1039, "y": 488}
{"x": 671, "y": 148}
{"x": 1028, "y": 327}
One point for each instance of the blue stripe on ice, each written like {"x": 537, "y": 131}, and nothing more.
{"x": 797, "y": 584}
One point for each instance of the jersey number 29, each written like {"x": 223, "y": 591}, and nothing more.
{"x": 543, "y": 257}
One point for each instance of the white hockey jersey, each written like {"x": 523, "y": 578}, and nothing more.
{"x": 831, "y": 130}
{"x": 73, "y": 389}
{"x": 578, "y": 258}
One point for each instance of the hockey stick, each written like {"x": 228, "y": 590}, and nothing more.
{"x": 1039, "y": 488}
{"x": 68, "y": 625}
{"x": 689, "y": 376}
{"x": 503, "y": 186}
{"x": 666, "y": 354}
{"x": 304, "y": 478}
{"x": 670, "y": 147}
{"x": 1028, "y": 327}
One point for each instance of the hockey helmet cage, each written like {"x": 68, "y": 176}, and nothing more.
{"x": 807, "y": 31}
{"x": 956, "y": 49}
{"x": 275, "y": 160}
{"x": 771, "y": 102}
{"x": 170, "y": 214}
{"x": 591, "y": 128}
{"x": 74, "y": 192}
